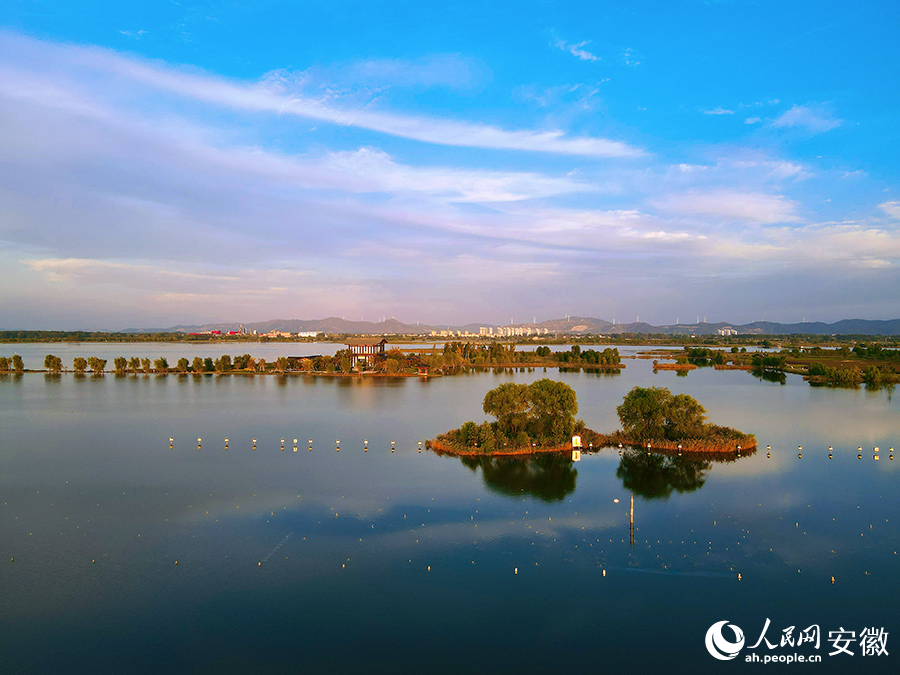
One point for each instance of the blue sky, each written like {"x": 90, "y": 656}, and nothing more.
{"x": 166, "y": 162}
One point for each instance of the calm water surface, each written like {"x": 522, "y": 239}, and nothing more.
{"x": 119, "y": 554}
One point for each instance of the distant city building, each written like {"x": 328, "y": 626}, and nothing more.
{"x": 726, "y": 331}
{"x": 307, "y": 334}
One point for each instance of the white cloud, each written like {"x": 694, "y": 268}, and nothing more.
{"x": 576, "y": 49}
{"x": 718, "y": 111}
{"x": 752, "y": 120}
{"x": 814, "y": 118}
{"x": 892, "y": 209}
{"x": 731, "y": 206}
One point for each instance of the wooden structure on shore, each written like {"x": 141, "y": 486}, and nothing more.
{"x": 365, "y": 349}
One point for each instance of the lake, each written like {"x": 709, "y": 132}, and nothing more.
{"x": 121, "y": 554}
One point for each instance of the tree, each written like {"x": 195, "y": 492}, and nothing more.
{"x": 119, "y": 364}
{"x": 391, "y": 366}
{"x": 4, "y": 364}
{"x": 197, "y": 365}
{"x": 96, "y": 365}
{"x": 53, "y": 363}
{"x": 685, "y": 418}
{"x": 345, "y": 364}
{"x": 79, "y": 365}
{"x": 643, "y": 412}
{"x": 208, "y": 365}
{"x": 510, "y": 405}
{"x": 182, "y": 365}
{"x": 145, "y": 365}
{"x": 134, "y": 364}
{"x": 653, "y": 413}
{"x": 281, "y": 364}
{"x": 17, "y": 364}
{"x": 553, "y": 407}
{"x": 161, "y": 365}
{"x": 261, "y": 365}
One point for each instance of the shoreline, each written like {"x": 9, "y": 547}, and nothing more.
{"x": 593, "y": 441}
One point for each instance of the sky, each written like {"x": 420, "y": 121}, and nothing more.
{"x": 187, "y": 162}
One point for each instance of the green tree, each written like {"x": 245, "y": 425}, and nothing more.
{"x": 685, "y": 418}
{"x": 134, "y": 364}
{"x": 161, "y": 365}
{"x": 4, "y": 364}
{"x": 208, "y": 365}
{"x": 120, "y": 363}
{"x": 182, "y": 365}
{"x": 17, "y": 364}
{"x": 197, "y": 365}
{"x": 261, "y": 365}
{"x": 53, "y": 363}
{"x": 642, "y": 412}
{"x": 648, "y": 413}
{"x": 79, "y": 365}
{"x": 345, "y": 364}
{"x": 552, "y": 410}
{"x": 145, "y": 365}
{"x": 391, "y": 366}
{"x": 96, "y": 365}
{"x": 281, "y": 364}
{"x": 510, "y": 405}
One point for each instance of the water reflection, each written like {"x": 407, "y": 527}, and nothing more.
{"x": 764, "y": 375}
{"x": 548, "y": 478}
{"x": 657, "y": 475}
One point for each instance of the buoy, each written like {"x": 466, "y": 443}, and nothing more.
{"x": 768, "y": 451}
{"x": 859, "y": 453}
{"x": 830, "y": 450}
{"x": 799, "y": 452}
{"x": 604, "y": 572}
{"x": 392, "y": 446}
{"x": 515, "y": 570}
{"x": 739, "y": 576}
{"x": 679, "y": 449}
{"x": 832, "y": 579}
{"x": 875, "y": 456}
{"x": 420, "y": 446}
{"x": 738, "y": 450}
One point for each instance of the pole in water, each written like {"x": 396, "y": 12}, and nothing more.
{"x": 830, "y": 450}
{"x": 768, "y": 451}
{"x": 337, "y": 444}
{"x": 226, "y": 443}
{"x": 392, "y": 446}
{"x": 198, "y": 443}
{"x": 420, "y": 446}
{"x": 365, "y": 446}
{"x": 859, "y": 452}
{"x": 295, "y": 445}
{"x": 799, "y": 452}
{"x": 875, "y": 456}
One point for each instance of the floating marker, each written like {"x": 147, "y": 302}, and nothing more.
{"x": 799, "y": 452}
{"x": 875, "y": 456}
{"x": 768, "y": 451}
{"x": 739, "y": 450}
{"x": 365, "y": 446}
{"x": 515, "y": 570}
{"x": 859, "y": 455}
{"x": 679, "y": 449}
{"x": 604, "y": 572}
{"x": 830, "y": 450}
{"x": 420, "y": 446}
{"x": 392, "y": 446}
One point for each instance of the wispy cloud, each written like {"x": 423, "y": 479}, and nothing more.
{"x": 892, "y": 209}
{"x": 732, "y": 206}
{"x": 269, "y": 97}
{"x": 814, "y": 118}
{"x": 718, "y": 111}
{"x": 576, "y": 49}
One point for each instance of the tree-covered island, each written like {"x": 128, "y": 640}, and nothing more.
{"x": 540, "y": 417}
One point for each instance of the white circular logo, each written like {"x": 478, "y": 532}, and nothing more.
{"x": 718, "y": 646}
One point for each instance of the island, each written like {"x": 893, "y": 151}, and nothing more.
{"x": 540, "y": 418}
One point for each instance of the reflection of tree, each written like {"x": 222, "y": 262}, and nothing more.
{"x": 549, "y": 478}
{"x": 655, "y": 476}
{"x": 776, "y": 376}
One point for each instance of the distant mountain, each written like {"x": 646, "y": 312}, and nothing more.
{"x": 571, "y": 325}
